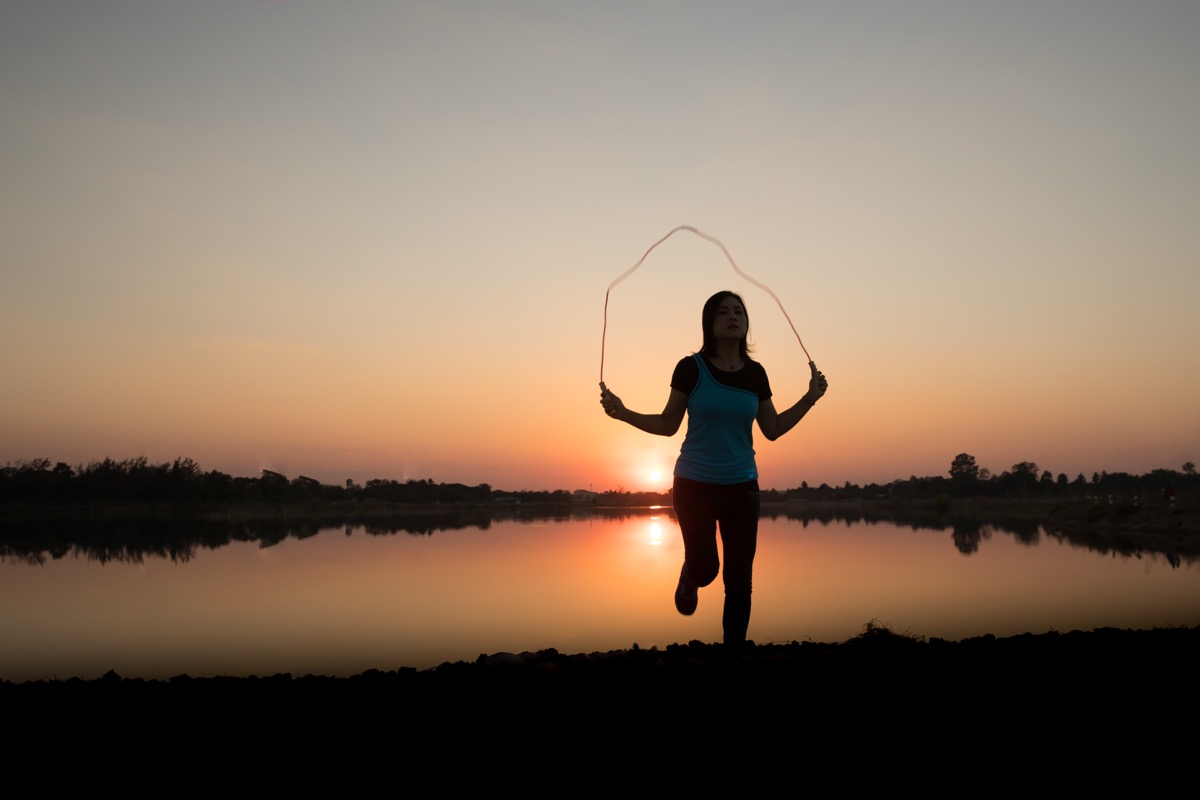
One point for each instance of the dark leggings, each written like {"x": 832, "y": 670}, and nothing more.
{"x": 700, "y": 508}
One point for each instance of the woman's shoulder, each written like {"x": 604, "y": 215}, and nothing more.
{"x": 758, "y": 377}
{"x": 690, "y": 358}
{"x": 686, "y": 374}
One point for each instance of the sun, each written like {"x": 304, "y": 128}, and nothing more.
{"x": 655, "y": 475}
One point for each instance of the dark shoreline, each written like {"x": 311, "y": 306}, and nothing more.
{"x": 877, "y": 650}
{"x": 1018, "y": 703}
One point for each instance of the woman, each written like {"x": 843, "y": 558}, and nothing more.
{"x": 723, "y": 392}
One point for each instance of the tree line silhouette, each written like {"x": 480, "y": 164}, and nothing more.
{"x": 1023, "y": 480}
{"x": 137, "y": 481}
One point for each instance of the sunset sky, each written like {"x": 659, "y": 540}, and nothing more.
{"x": 372, "y": 239}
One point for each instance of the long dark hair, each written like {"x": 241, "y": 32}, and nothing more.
{"x": 708, "y": 318}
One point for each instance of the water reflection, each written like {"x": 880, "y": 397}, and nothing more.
{"x": 160, "y": 596}
{"x": 131, "y": 537}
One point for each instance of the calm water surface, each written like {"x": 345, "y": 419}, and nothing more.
{"x": 343, "y": 601}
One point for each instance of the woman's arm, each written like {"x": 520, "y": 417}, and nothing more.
{"x": 773, "y": 424}
{"x": 664, "y": 424}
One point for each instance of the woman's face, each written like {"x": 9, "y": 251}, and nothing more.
{"x": 730, "y": 321}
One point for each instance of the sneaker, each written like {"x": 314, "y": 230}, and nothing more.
{"x": 685, "y": 594}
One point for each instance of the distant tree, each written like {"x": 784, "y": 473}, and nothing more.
{"x": 1189, "y": 468}
{"x": 1025, "y": 468}
{"x": 963, "y": 469}
{"x": 218, "y": 486}
{"x": 1022, "y": 478}
{"x": 271, "y": 485}
{"x": 185, "y": 469}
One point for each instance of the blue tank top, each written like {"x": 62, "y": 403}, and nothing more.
{"x": 719, "y": 446}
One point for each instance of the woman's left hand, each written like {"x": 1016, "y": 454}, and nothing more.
{"x": 817, "y": 384}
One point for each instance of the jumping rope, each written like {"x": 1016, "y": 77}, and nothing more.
{"x": 732, "y": 263}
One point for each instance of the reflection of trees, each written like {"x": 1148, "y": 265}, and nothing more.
{"x": 969, "y": 530}
{"x": 106, "y": 538}
{"x": 967, "y": 535}
{"x": 617, "y": 513}
{"x": 1025, "y": 531}
{"x": 131, "y": 537}
{"x": 1127, "y": 545}
{"x": 427, "y": 524}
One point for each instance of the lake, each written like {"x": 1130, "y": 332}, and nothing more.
{"x": 344, "y": 599}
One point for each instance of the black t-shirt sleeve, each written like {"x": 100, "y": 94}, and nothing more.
{"x": 762, "y": 384}
{"x": 685, "y": 376}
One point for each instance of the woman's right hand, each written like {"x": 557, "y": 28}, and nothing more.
{"x": 664, "y": 424}
{"x": 611, "y": 403}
